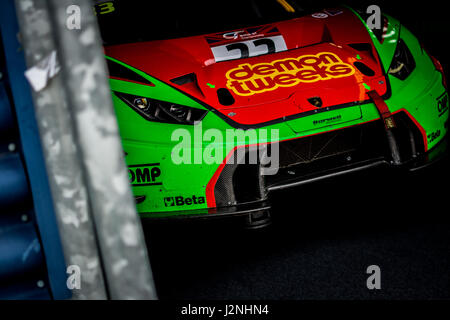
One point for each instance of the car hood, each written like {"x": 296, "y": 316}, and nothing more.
{"x": 260, "y": 74}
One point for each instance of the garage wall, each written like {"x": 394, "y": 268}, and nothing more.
{"x": 31, "y": 259}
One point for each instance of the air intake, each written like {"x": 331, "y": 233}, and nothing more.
{"x": 365, "y": 70}
{"x": 119, "y": 71}
{"x": 189, "y": 82}
{"x": 187, "y": 78}
{"x": 225, "y": 97}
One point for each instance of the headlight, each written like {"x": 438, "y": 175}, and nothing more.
{"x": 162, "y": 111}
{"x": 403, "y": 62}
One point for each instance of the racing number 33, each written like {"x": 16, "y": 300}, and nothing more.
{"x": 245, "y": 52}
{"x": 251, "y": 48}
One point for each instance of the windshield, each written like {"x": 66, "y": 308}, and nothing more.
{"x": 123, "y": 21}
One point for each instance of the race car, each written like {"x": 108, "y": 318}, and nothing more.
{"x": 266, "y": 96}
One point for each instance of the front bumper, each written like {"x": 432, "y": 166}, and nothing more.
{"x": 420, "y": 162}
{"x": 372, "y": 152}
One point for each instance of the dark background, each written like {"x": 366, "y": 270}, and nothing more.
{"x": 325, "y": 235}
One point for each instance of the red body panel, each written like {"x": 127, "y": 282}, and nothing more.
{"x": 318, "y": 62}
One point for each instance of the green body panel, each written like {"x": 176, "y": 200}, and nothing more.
{"x": 417, "y": 94}
{"x": 386, "y": 49}
{"x": 148, "y": 142}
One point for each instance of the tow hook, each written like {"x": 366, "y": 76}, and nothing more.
{"x": 389, "y": 125}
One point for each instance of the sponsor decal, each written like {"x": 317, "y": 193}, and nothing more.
{"x": 145, "y": 174}
{"x": 249, "y": 42}
{"x": 442, "y": 103}
{"x": 182, "y": 201}
{"x": 433, "y": 136}
{"x": 327, "y": 120}
{"x": 248, "y": 79}
{"x": 242, "y": 35}
{"x": 389, "y": 123}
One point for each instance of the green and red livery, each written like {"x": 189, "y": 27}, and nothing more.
{"x": 341, "y": 96}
